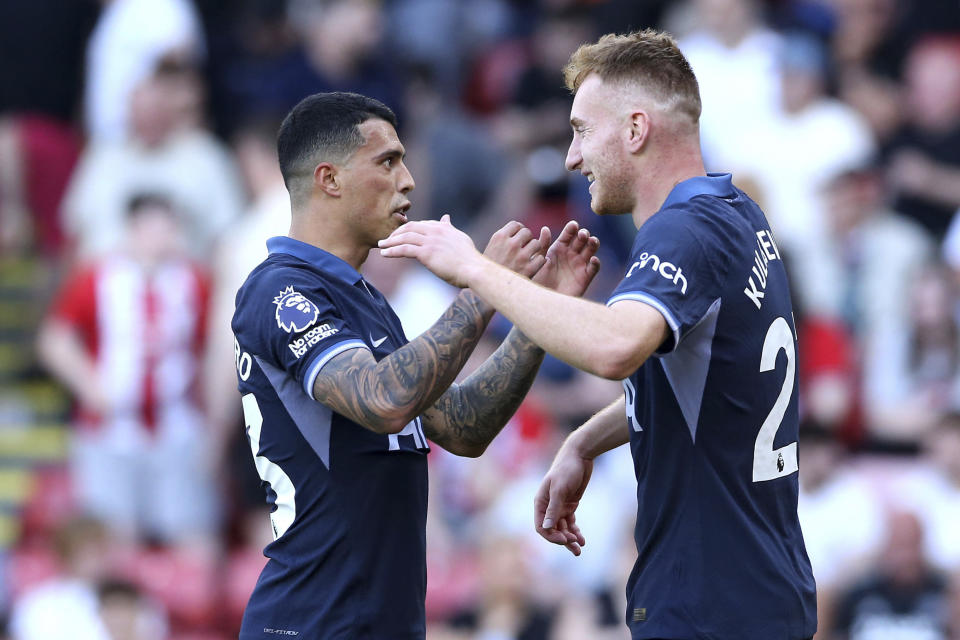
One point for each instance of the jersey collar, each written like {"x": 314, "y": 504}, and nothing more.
{"x": 315, "y": 256}
{"x": 712, "y": 184}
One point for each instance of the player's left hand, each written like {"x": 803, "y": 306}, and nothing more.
{"x": 515, "y": 247}
{"x": 557, "y": 499}
{"x": 571, "y": 262}
{"x": 438, "y": 245}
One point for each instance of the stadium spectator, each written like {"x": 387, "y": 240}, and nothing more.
{"x": 437, "y": 133}
{"x": 832, "y": 491}
{"x": 444, "y": 38}
{"x": 507, "y": 607}
{"x": 869, "y": 262}
{"x": 598, "y": 575}
{"x": 127, "y": 613}
{"x": 124, "y": 335}
{"x": 338, "y": 47}
{"x": 130, "y": 40}
{"x": 538, "y": 106}
{"x": 868, "y": 56}
{"x": 167, "y": 151}
{"x": 924, "y": 156}
{"x": 729, "y": 45}
{"x": 783, "y": 156}
{"x": 903, "y": 595}
{"x": 932, "y": 491}
{"x": 873, "y": 255}
{"x": 66, "y": 606}
{"x": 911, "y": 377}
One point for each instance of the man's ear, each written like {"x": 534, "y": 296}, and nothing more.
{"x": 638, "y": 132}
{"x": 327, "y": 179}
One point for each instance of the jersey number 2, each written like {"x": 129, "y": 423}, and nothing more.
{"x": 770, "y": 463}
{"x": 282, "y": 516}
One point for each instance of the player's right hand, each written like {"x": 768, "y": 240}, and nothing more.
{"x": 557, "y": 499}
{"x": 437, "y": 244}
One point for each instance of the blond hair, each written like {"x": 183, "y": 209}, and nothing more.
{"x": 649, "y": 58}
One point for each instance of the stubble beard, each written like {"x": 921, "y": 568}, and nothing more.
{"x": 614, "y": 200}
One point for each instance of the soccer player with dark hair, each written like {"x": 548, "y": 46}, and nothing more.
{"x": 339, "y": 405}
{"x": 700, "y": 330}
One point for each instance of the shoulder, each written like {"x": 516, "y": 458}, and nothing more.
{"x": 704, "y": 224}
{"x": 78, "y": 289}
{"x": 273, "y": 279}
{"x": 280, "y": 271}
{"x": 86, "y": 271}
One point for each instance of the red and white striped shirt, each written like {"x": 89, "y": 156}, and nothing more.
{"x": 145, "y": 330}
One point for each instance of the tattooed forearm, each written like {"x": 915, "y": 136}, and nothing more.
{"x": 468, "y": 416}
{"x": 385, "y": 395}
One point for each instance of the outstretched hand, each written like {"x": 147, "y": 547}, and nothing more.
{"x": 514, "y": 246}
{"x": 557, "y": 499}
{"x": 571, "y": 262}
{"x": 438, "y": 245}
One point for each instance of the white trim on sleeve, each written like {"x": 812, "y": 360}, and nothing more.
{"x": 656, "y": 304}
{"x": 324, "y": 357}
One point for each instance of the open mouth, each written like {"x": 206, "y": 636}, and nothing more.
{"x": 401, "y": 211}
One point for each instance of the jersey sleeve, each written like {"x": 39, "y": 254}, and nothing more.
{"x": 673, "y": 267}
{"x": 290, "y": 318}
{"x": 75, "y": 304}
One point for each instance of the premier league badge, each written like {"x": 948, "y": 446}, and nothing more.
{"x": 294, "y": 312}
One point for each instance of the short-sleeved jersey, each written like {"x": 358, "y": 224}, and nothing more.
{"x": 145, "y": 329}
{"x": 713, "y": 427}
{"x": 348, "y": 505}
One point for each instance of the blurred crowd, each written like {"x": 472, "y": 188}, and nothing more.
{"x": 137, "y": 164}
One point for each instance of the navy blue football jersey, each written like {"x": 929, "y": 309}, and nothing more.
{"x": 713, "y": 427}
{"x": 348, "y": 506}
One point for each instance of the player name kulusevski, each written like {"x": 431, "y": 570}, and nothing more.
{"x": 765, "y": 252}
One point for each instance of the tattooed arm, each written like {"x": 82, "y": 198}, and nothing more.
{"x": 469, "y": 416}
{"x": 384, "y": 396}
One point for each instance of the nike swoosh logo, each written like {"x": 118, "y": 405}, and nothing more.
{"x": 377, "y": 343}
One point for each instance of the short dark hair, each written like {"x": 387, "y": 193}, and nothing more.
{"x": 142, "y": 200}
{"x": 74, "y": 533}
{"x": 323, "y": 126}
{"x": 116, "y": 588}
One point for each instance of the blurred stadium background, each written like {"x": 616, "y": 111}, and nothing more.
{"x": 137, "y": 187}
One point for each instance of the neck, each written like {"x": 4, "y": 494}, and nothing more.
{"x": 662, "y": 173}
{"x": 322, "y": 231}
